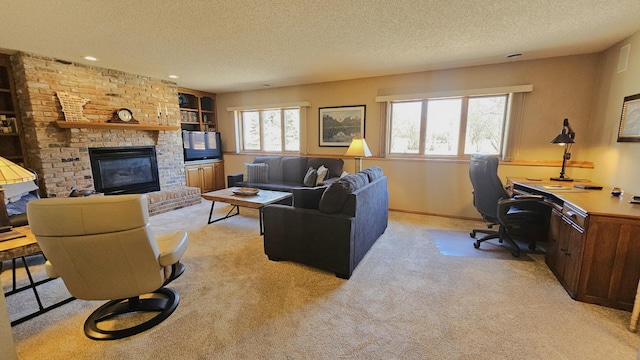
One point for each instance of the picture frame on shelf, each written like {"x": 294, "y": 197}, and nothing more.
{"x": 629, "y": 130}
{"x": 340, "y": 124}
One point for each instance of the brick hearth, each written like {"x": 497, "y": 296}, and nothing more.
{"x": 60, "y": 156}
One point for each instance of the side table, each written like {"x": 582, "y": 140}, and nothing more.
{"x": 20, "y": 248}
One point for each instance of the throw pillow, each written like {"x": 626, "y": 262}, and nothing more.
{"x": 310, "y": 177}
{"x": 257, "y": 173}
{"x": 335, "y": 196}
{"x": 322, "y": 173}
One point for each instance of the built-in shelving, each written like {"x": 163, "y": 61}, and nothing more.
{"x": 11, "y": 143}
{"x": 197, "y": 110}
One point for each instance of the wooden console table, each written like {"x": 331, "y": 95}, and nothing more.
{"x": 594, "y": 241}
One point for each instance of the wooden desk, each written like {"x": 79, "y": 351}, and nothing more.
{"x": 594, "y": 241}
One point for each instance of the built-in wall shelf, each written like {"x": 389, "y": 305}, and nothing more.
{"x": 106, "y": 125}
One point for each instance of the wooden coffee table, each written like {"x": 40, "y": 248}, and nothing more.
{"x": 257, "y": 201}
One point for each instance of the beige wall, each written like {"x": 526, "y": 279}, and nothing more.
{"x": 617, "y": 163}
{"x": 562, "y": 88}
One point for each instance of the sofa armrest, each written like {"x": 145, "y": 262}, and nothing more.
{"x": 309, "y": 237}
{"x": 233, "y": 179}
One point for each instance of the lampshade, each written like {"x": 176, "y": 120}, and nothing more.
{"x": 11, "y": 173}
{"x": 358, "y": 148}
{"x": 566, "y": 135}
{"x": 563, "y": 138}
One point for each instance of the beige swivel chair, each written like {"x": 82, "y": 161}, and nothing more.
{"x": 103, "y": 249}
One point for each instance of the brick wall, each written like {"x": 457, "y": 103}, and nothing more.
{"x": 60, "y": 156}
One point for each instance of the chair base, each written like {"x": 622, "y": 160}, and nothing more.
{"x": 164, "y": 301}
{"x": 501, "y": 235}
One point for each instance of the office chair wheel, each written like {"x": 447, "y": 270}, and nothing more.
{"x": 472, "y": 234}
{"x": 476, "y": 244}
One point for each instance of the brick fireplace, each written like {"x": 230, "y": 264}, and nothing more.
{"x": 61, "y": 156}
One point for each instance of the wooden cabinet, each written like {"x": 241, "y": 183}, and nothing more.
{"x": 611, "y": 262}
{"x": 597, "y": 260}
{"x": 197, "y": 110}
{"x": 11, "y": 143}
{"x": 565, "y": 249}
{"x": 208, "y": 175}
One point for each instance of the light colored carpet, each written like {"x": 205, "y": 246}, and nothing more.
{"x": 405, "y": 300}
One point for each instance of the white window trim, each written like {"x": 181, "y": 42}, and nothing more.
{"x": 456, "y": 93}
{"x": 512, "y": 124}
{"x": 303, "y": 105}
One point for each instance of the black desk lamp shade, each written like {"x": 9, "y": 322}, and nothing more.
{"x": 566, "y": 139}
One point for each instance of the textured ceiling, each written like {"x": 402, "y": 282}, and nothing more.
{"x": 231, "y": 45}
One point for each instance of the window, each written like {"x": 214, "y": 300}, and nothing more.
{"x": 270, "y": 130}
{"x": 453, "y": 126}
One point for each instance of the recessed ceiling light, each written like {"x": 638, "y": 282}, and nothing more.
{"x": 174, "y": 76}
{"x": 90, "y": 58}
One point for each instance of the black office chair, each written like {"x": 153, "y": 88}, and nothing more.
{"x": 499, "y": 209}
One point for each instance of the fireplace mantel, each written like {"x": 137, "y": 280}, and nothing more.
{"x": 106, "y": 125}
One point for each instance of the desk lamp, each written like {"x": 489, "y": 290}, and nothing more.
{"x": 564, "y": 139}
{"x": 358, "y": 149}
{"x": 10, "y": 173}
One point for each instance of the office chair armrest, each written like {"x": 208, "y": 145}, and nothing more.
{"x": 539, "y": 197}
{"x": 514, "y": 201}
{"x": 525, "y": 204}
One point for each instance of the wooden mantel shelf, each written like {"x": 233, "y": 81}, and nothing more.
{"x": 106, "y": 125}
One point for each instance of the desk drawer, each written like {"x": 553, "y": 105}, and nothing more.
{"x": 576, "y": 216}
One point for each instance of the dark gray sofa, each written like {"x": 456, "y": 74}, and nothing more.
{"x": 286, "y": 173}
{"x": 332, "y": 228}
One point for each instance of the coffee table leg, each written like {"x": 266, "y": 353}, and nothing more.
{"x": 229, "y": 214}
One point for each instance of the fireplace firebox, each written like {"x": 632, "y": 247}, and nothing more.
{"x": 124, "y": 170}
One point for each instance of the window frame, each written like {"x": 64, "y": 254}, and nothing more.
{"x": 511, "y": 125}
{"x": 239, "y": 126}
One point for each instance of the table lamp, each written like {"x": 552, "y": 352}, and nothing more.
{"x": 358, "y": 149}
{"x": 10, "y": 173}
{"x": 564, "y": 139}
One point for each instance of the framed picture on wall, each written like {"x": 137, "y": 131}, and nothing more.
{"x": 340, "y": 124}
{"x": 629, "y": 130}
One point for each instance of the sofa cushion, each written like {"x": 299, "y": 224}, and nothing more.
{"x": 307, "y": 198}
{"x": 356, "y": 180}
{"x": 257, "y": 173}
{"x": 334, "y": 198}
{"x": 275, "y": 166}
{"x": 310, "y": 177}
{"x": 294, "y": 169}
{"x": 373, "y": 173}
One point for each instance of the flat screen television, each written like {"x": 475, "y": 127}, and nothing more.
{"x": 200, "y": 145}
